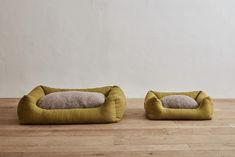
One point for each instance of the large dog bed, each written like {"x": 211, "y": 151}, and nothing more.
{"x": 111, "y": 111}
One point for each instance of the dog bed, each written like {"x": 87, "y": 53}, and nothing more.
{"x": 111, "y": 111}
{"x": 155, "y": 110}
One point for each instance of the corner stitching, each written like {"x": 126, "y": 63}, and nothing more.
{"x": 198, "y": 95}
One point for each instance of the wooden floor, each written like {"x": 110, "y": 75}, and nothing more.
{"x": 134, "y": 136}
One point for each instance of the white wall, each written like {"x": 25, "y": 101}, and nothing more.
{"x": 168, "y": 45}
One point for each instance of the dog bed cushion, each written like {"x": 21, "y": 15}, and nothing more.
{"x": 71, "y": 99}
{"x": 179, "y": 101}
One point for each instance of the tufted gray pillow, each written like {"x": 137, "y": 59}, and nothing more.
{"x": 179, "y": 101}
{"x": 71, "y": 99}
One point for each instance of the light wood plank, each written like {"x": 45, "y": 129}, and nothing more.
{"x": 98, "y": 148}
{"x": 173, "y": 153}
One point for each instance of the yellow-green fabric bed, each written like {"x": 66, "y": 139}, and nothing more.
{"x": 155, "y": 110}
{"x": 111, "y": 111}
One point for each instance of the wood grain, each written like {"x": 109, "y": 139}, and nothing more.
{"x": 133, "y": 136}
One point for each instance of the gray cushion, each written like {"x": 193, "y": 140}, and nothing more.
{"x": 179, "y": 101}
{"x": 71, "y": 99}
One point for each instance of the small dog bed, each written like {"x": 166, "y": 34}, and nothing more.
{"x": 155, "y": 110}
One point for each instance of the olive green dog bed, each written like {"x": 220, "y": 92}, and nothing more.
{"x": 155, "y": 110}
{"x": 111, "y": 111}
